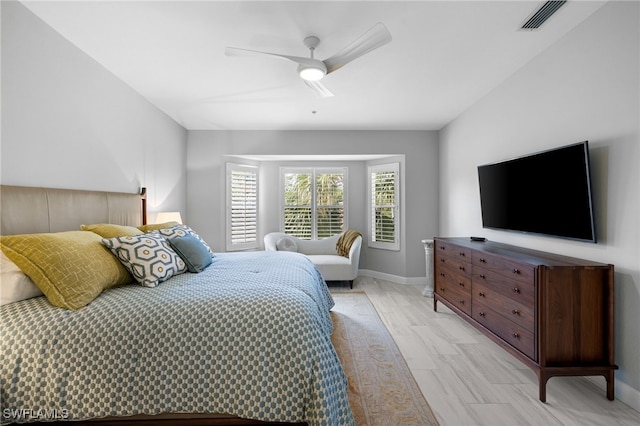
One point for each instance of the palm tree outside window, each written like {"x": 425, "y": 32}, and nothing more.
{"x": 314, "y": 202}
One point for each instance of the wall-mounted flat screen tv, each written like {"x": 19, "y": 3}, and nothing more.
{"x": 546, "y": 193}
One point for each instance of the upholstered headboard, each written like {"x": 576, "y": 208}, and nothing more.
{"x": 26, "y": 210}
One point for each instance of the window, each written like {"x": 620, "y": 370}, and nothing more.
{"x": 242, "y": 207}
{"x": 314, "y": 202}
{"x": 384, "y": 224}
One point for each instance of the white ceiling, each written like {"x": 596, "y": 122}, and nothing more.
{"x": 444, "y": 57}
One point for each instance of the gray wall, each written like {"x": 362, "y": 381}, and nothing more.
{"x": 67, "y": 122}
{"x": 208, "y": 151}
{"x": 585, "y": 87}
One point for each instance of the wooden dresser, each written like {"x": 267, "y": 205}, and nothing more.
{"x": 554, "y": 313}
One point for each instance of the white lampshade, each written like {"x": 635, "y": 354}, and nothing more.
{"x": 164, "y": 217}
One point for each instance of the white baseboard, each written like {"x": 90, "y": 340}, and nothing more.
{"x": 627, "y": 394}
{"x": 393, "y": 278}
{"x": 623, "y": 392}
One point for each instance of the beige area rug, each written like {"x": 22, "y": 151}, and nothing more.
{"x": 382, "y": 390}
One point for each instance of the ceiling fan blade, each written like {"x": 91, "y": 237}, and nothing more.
{"x": 320, "y": 89}
{"x": 234, "y": 51}
{"x": 376, "y": 36}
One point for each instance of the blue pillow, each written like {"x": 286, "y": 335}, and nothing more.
{"x": 190, "y": 249}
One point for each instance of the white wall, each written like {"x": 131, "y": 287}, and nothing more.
{"x": 585, "y": 87}
{"x": 67, "y": 122}
{"x": 208, "y": 151}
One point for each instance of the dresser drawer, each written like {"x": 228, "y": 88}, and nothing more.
{"x": 513, "y": 333}
{"x": 514, "y": 270}
{"x": 452, "y": 250}
{"x": 454, "y": 279}
{"x": 453, "y": 264}
{"x": 454, "y": 285}
{"x": 520, "y": 291}
{"x": 515, "y": 310}
{"x": 455, "y": 294}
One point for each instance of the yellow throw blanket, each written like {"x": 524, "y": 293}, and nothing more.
{"x": 344, "y": 242}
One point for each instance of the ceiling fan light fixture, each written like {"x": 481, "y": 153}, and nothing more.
{"x": 312, "y": 72}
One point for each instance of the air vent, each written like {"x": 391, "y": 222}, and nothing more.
{"x": 544, "y": 13}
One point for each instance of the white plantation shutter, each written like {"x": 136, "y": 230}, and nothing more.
{"x": 313, "y": 202}
{"x": 329, "y": 204}
{"x": 298, "y": 204}
{"x": 242, "y": 207}
{"x": 383, "y": 216}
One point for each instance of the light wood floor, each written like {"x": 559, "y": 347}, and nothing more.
{"x": 469, "y": 380}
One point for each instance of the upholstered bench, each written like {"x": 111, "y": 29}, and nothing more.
{"x": 323, "y": 253}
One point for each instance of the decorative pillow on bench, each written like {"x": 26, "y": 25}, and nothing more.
{"x": 286, "y": 244}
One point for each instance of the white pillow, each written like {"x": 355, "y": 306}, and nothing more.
{"x": 286, "y": 244}
{"x": 14, "y": 284}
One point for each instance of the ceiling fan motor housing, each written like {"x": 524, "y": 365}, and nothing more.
{"x": 314, "y": 70}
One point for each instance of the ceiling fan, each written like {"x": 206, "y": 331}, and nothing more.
{"x": 312, "y": 70}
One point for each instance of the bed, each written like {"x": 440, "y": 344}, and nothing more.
{"x": 246, "y": 340}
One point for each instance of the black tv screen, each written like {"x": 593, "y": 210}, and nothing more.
{"x": 545, "y": 193}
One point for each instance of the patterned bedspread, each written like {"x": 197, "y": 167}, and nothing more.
{"x": 249, "y": 336}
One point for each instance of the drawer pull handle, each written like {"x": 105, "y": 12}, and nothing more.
{"x": 515, "y": 312}
{"x": 481, "y": 314}
{"x": 462, "y": 302}
{"x": 482, "y": 276}
{"x": 441, "y": 247}
{"x": 461, "y": 268}
{"x": 483, "y": 260}
{"x": 461, "y": 253}
{"x": 516, "y": 271}
{"x": 461, "y": 284}
{"x": 442, "y": 289}
{"x": 516, "y": 290}
{"x": 442, "y": 274}
{"x": 516, "y": 335}
{"x": 442, "y": 260}
{"x": 481, "y": 294}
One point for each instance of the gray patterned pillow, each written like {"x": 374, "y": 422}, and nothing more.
{"x": 181, "y": 231}
{"x": 149, "y": 258}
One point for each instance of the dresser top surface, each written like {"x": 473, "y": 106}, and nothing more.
{"x": 531, "y": 256}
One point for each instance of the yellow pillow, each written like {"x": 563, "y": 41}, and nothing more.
{"x": 108, "y": 230}
{"x": 71, "y": 268}
{"x": 156, "y": 226}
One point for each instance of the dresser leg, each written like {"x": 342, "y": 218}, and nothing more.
{"x": 610, "y": 385}
{"x": 542, "y": 385}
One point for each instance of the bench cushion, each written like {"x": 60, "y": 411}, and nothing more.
{"x": 331, "y": 267}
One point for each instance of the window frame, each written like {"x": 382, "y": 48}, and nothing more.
{"x": 314, "y": 171}
{"x": 379, "y": 168}
{"x": 244, "y": 168}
